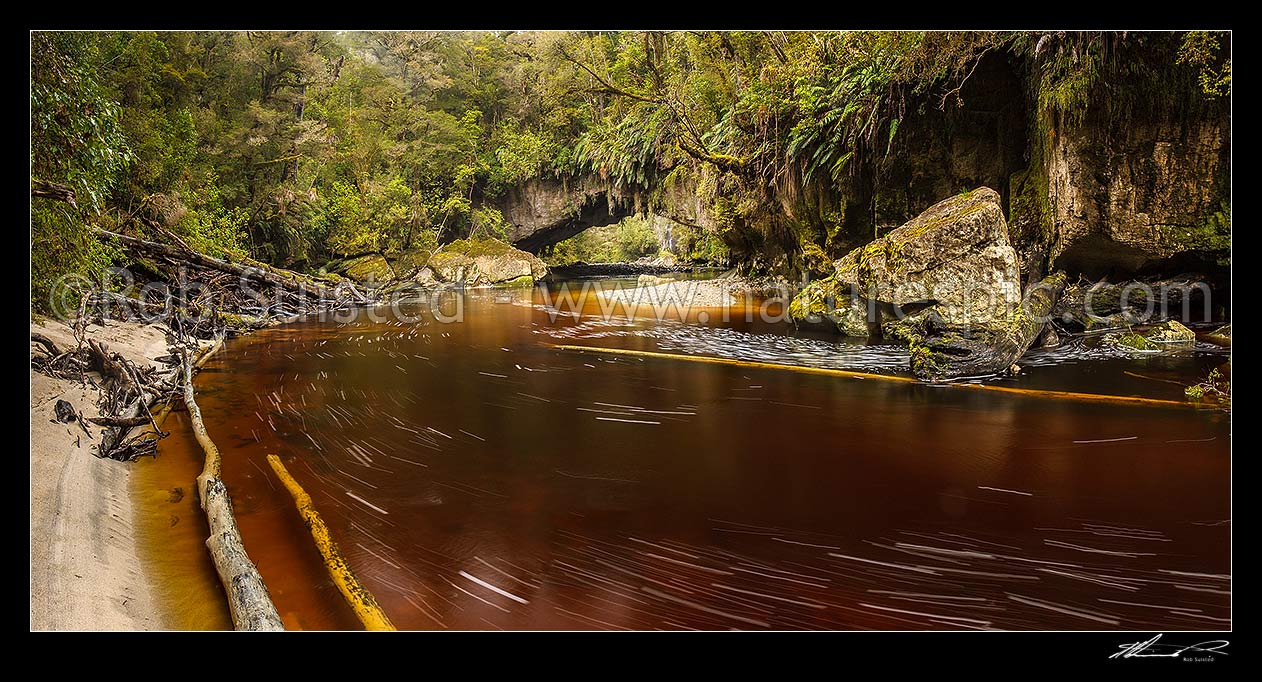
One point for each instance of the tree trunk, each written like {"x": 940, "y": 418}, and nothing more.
{"x": 248, "y": 599}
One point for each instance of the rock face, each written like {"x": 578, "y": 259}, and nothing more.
{"x": 545, "y": 211}
{"x": 1124, "y": 197}
{"x": 956, "y": 254}
{"x": 479, "y": 262}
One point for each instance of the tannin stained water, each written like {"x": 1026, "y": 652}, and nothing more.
{"x": 478, "y": 478}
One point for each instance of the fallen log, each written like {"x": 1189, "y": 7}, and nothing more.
{"x": 357, "y": 596}
{"x": 952, "y": 351}
{"x": 248, "y": 599}
{"x": 43, "y": 189}
{"x": 850, "y": 374}
{"x": 284, "y": 279}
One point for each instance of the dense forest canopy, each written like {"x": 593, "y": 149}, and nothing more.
{"x": 296, "y": 148}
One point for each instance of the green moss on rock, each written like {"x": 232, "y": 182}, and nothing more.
{"x": 925, "y": 362}
{"x": 1131, "y": 342}
{"x": 370, "y": 268}
{"x": 1171, "y": 332}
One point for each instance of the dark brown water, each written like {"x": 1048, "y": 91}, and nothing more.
{"x": 478, "y": 478}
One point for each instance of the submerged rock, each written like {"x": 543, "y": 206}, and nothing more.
{"x": 955, "y": 257}
{"x": 681, "y": 295}
{"x": 474, "y": 262}
{"x": 1165, "y": 336}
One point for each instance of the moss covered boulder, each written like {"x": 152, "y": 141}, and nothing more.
{"x": 956, "y": 253}
{"x": 1171, "y": 333}
{"x": 372, "y": 269}
{"x": 1220, "y": 336}
{"x": 475, "y": 262}
{"x": 407, "y": 264}
{"x": 1131, "y": 343}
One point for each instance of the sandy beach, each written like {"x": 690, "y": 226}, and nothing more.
{"x": 86, "y": 567}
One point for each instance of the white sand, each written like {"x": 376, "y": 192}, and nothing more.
{"x": 86, "y": 569}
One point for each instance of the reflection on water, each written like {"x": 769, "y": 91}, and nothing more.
{"x": 478, "y": 478}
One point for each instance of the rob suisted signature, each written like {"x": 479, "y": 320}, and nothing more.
{"x": 1204, "y": 651}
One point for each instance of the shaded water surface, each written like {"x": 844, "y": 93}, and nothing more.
{"x": 476, "y": 477}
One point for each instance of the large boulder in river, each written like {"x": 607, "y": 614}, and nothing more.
{"x": 955, "y": 257}
{"x": 474, "y": 262}
{"x": 1172, "y": 333}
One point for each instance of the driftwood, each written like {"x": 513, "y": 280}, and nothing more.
{"x": 47, "y": 344}
{"x": 356, "y": 595}
{"x": 891, "y": 378}
{"x": 248, "y": 599}
{"x": 949, "y": 351}
{"x": 289, "y": 281}
{"x": 125, "y": 399}
{"x": 126, "y": 391}
{"x": 125, "y": 422}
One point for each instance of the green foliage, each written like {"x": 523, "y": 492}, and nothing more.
{"x": 65, "y": 257}
{"x": 76, "y": 137}
{"x": 520, "y": 155}
{"x": 296, "y": 147}
{"x": 630, "y": 239}
{"x": 489, "y": 222}
{"x": 209, "y": 226}
{"x": 1204, "y": 50}
{"x": 375, "y": 217}
{"x": 635, "y": 238}
{"x": 76, "y": 140}
{"x": 1216, "y": 388}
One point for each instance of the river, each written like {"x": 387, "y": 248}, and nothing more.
{"x": 477, "y": 477}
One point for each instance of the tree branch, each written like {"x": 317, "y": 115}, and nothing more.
{"x": 42, "y": 189}
{"x": 609, "y": 87}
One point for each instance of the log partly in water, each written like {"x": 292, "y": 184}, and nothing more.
{"x": 357, "y": 596}
{"x": 248, "y": 599}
